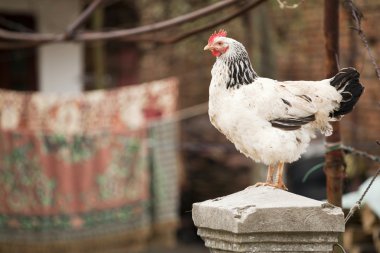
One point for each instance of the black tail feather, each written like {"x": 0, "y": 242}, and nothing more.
{"x": 347, "y": 83}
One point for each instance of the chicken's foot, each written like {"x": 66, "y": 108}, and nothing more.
{"x": 280, "y": 183}
{"x": 269, "y": 181}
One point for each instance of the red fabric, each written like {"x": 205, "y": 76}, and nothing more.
{"x": 81, "y": 157}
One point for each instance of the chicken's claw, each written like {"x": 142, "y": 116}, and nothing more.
{"x": 281, "y": 186}
{"x": 264, "y": 184}
{"x": 277, "y": 186}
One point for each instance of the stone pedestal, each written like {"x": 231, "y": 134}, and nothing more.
{"x": 264, "y": 219}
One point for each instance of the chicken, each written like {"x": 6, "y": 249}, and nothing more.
{"x": 270, "y": 121}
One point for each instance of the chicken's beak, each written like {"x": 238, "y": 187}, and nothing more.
{"x": 207, "y": 47}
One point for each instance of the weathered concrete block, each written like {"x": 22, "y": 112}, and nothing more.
{"x": 264, "y": 219}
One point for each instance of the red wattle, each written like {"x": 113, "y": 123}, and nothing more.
{"x": 215, "y": 53}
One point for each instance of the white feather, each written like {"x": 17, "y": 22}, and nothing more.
{"x": 243, "y": 114}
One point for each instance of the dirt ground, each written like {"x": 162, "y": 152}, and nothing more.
{"x": 182, "y": 249}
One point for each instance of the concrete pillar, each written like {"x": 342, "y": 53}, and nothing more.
{"x": 60, "y": 65}
{"x": 264, "y": 219}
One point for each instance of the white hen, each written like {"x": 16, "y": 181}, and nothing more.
{"x": 270, "y": 121}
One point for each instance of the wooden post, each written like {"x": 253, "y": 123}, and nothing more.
{"x": 334, "y": 160}
{"x": 334, "y": 166}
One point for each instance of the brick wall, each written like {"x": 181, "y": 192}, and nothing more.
{"x": 300, "y": 54}
{"x": 292, "y": 48}
{"x": 285, "y": 44}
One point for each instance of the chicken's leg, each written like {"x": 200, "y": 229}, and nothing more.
{"x": 280, "y": 183}
{"x": 269, "y": 181}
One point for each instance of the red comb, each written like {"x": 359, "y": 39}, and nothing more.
{"x": 220, "y": 33}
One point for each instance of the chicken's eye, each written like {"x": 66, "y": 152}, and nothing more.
{"x": 219, "y": 43}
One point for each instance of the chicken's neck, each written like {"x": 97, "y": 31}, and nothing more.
{"x": 240, "y": 71}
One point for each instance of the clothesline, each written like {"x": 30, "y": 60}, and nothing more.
{"x": 191, "y": 111}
